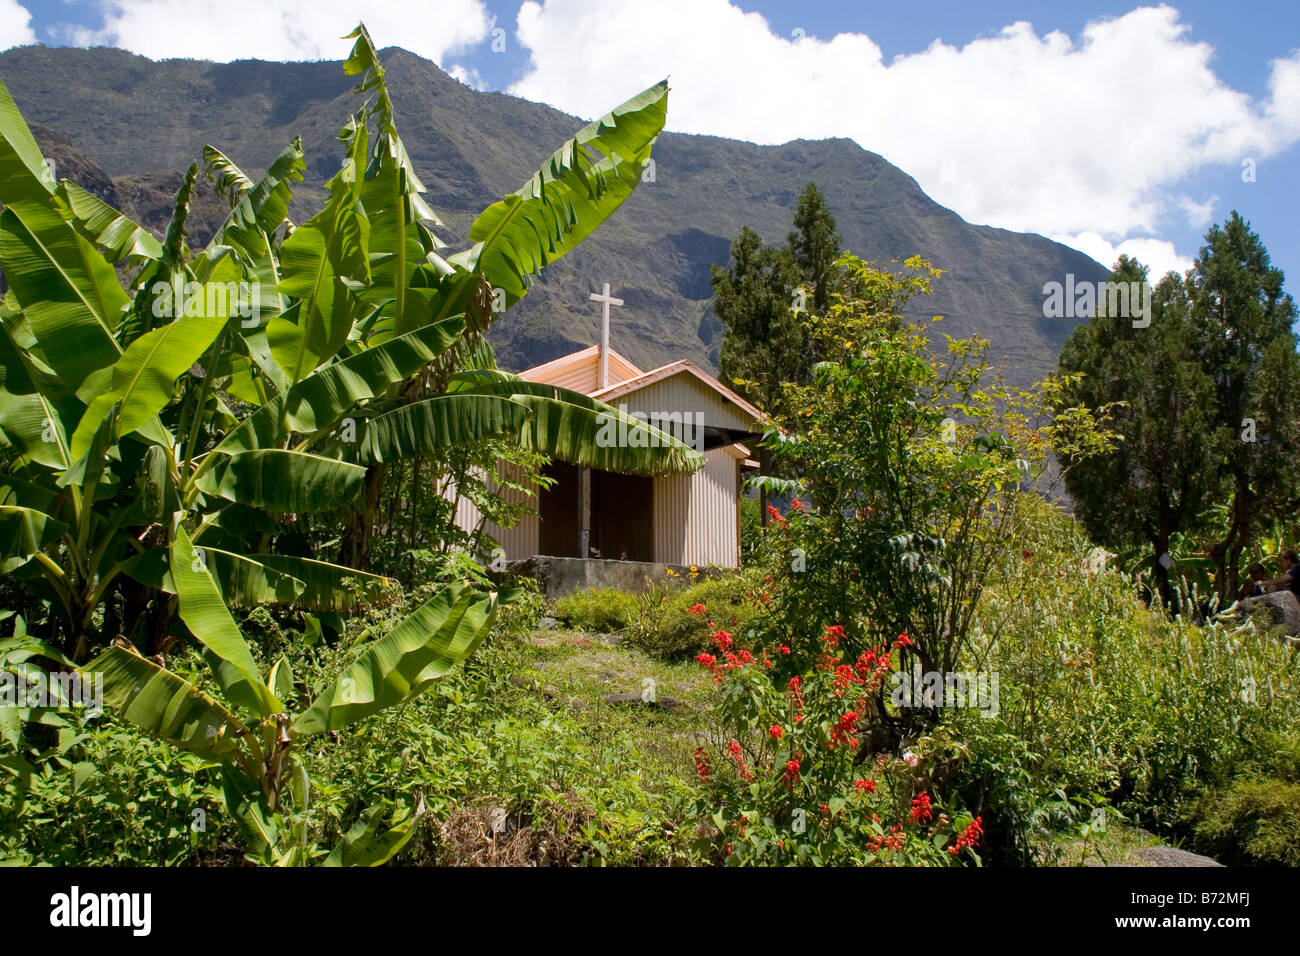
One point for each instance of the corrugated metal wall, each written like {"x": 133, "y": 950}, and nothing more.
{"x": 520, "y": 541}
{"x": 685, "y": 393}
{"x": 695, "y": 516}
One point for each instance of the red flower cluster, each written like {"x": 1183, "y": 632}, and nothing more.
{"x": 703, "y": 766}
{"x": 792, "y": 770}
{"x": 921, "y": 810}
{"x": 866, "y": 786}
{"x": 697, "y": 609}
{"x": 776, "y": 731}
{"x": 969, "y": 837}
{"x": 844, "y": 731}
{"x": 775, "y": 516}
{"x": 893, "y": 840}
{"x": 736, "y": 755}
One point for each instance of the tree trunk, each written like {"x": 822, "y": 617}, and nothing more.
{"x": 354, "y": 552}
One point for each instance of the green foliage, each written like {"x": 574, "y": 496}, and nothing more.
{"x": 602, "y": 610}
{"x": 913, "y": 462}
{"x": 679, "y": 620}
{"x": 1218, "y": 356}
{"x": 1105, "y": 703}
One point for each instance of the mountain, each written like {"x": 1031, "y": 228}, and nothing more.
{"x": 126, "y": 127}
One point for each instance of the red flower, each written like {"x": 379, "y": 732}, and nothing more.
{"x": 834, "y": 633}
{"x": 921, "y": 811}
{"x": 792, "y": 770}
{"x": 775, "y": 731}
{"x": 796, "y": 505}
{"x": 866, "y": 786}
{"x": 703, "y": 766}
{"x": 903, "y": 641}
{"x": 843, "y": 731}
{"x": 784, "y": 648}
{"x": 697, "y": 609}
{"x": 969, "y": 837}
{"x": 706, "y": 660}
{"x": 723, "y": 640}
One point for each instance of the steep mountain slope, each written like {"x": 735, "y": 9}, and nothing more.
{"x": 132, "y": 125}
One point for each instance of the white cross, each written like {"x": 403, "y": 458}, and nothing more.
{"x": 606, "y": 300}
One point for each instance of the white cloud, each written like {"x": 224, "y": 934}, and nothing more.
{"x": 1157, "y": 254}
{"x": 15, "y": 25}
{"x": 1044, "y": 134}
{"x": 282, "y": 29}
{"x": 468, "y": 76}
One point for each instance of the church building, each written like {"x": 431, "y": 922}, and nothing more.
{"x": 672, "y": 519}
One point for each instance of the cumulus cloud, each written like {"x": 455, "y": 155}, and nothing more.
{"x": 15, "y": 25}
{"x": 281, "y": 29}
{"x": 1157, "y": 254}
{"x": 1062, "y": 136}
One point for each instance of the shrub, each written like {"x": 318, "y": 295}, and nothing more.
{"x": 597, "y": 609}
{"x": 1253, "y": 821}
{"x": 1106, "y": 702}
{"x": 679, "y": 621}
{"x": 779, "y": 783}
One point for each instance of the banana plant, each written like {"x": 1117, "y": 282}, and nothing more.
{"x": 253, "y": 730}
{"x": 223, "y": 392}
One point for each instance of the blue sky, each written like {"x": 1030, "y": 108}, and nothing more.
{"x": 1109, "y": 126}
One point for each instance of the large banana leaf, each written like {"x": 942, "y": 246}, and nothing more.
{"x": 68, "y": 292}
{"x": 23, "y": 173}
{"x": 164, "y": 705}
{"x": 256, "y": 579}
{"x": 204, "y": 612}
{"x": 568, "y": 197}
{"x": 567, "y": 425}
{"x": 108, "y": 230}
{"x": 437, "y": 424}
{"x": 364, "y": 845}
{"x": 29, "y": 418}
{"x": 400, "y": 241}
{"x": 321, "y": 399}
{"x": 322, "y": 264}
{"x": 425, "y": 646}
{"x": 285, "y": 481}
{"x": 23, "y": 532}
{"x": 144, "y": 378}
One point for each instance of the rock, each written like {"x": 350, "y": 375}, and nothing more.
{"x": 1283, "y": 609}
{"x": 670, "y": 704}
{"x": 1168, "y": 856}
{"x": 611, "y": 639}
{"x": 547, "y": 624}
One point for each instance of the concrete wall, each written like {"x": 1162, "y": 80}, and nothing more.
{"x": 557, "y": 577}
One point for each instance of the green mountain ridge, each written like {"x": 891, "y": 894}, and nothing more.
{"x": 126, "y": 127}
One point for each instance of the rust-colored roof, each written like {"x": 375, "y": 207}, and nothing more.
{"x": 580, "y": 370}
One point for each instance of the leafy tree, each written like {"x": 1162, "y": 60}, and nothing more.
{"x": 1157, "y": 481}
{"x": 759, "y": 296}
{"x": 1211, "y": 432}
{"x": 1244, "y": 324}
{"x": 914, "y": 464}
{"x": 815, "y": 245}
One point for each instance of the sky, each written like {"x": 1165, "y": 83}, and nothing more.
{"x": 1110, "y": 127}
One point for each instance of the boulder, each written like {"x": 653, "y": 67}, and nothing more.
{"x": 1283, "y": 609}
